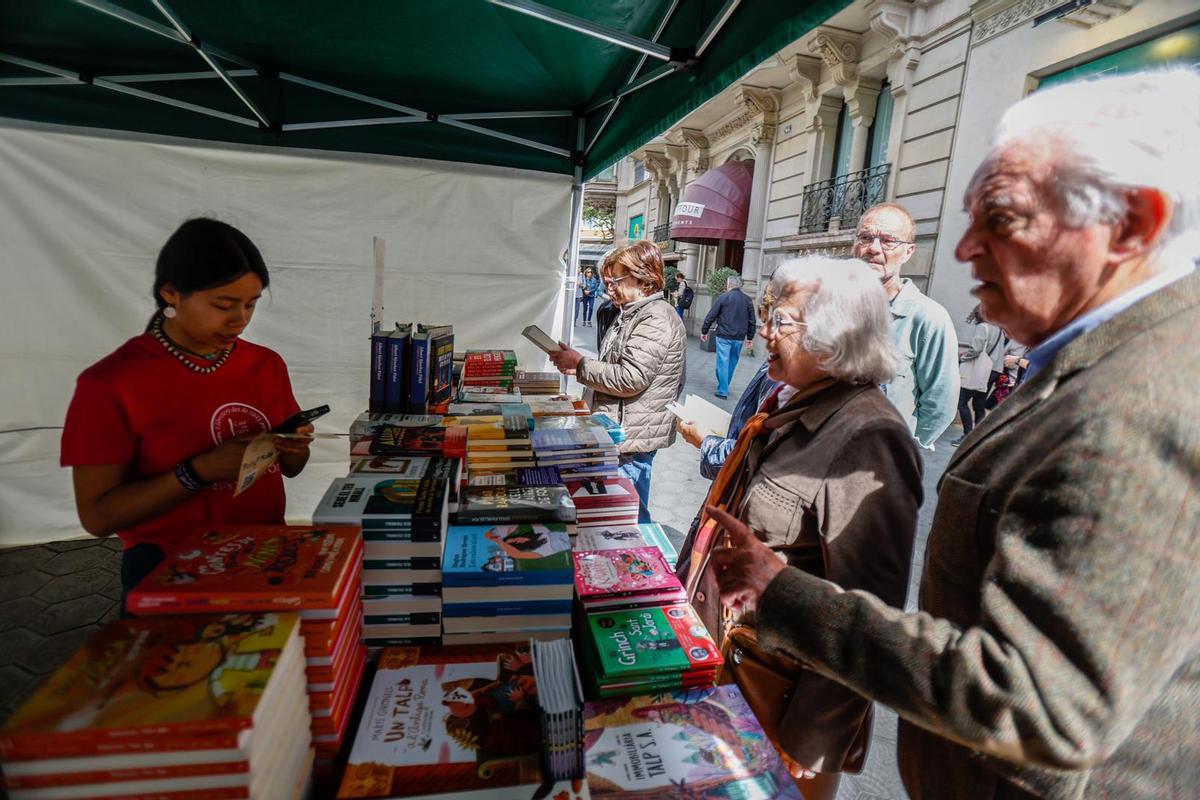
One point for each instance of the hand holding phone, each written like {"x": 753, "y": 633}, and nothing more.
{"x": 300, "y": 418}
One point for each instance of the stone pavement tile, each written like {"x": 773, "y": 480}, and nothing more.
{"x": 22, "y": 585}
{"x": 53, "y": 651}
{"x": 16, "y": 684}
{"x": 23, "y": 559}
{"x": 71, "y": 614}
{"x": 18, "y": 611}
{"x": 78, "y": 560}
{"x": 75, "y": 544}
{"x": 78, "y": 584}
{"x": 19, "y": 645}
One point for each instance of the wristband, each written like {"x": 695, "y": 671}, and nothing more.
{"x": 188, "y": 478}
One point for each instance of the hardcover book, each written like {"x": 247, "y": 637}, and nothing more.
{"x": 649, "y": 534}
{"x": 378, "y": 401}
{"x": 483, "y": 504}
{"x": 622, "y": 572}
{"x": 500, "y": 555}
{"x": 617, "y": 492}
{"x": 396, "y": 375}
{"x": 447, "y": 720}
{"x": 650, "y": 641}
{"x": 706, "y": 743}
{"x": 441, "y": 362}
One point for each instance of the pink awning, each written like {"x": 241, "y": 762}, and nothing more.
{"x": 715, "y": 205}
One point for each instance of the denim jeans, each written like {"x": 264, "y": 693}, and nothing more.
{"x": 578, "y": 305}
{"x": 728, "y": 353}
{"x": 589, "y": 303}
{"x": 636, "y": 467}
{"x": 136, "y": 563}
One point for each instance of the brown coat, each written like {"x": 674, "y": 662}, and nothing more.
{"x": 1057, "y": 653}
{"x": 835, "y": 486}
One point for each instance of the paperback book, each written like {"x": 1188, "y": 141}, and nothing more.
{"x": 507, "y": 504}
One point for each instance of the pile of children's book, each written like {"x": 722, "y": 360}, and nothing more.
{"x": 605, "y": 501}
{"x": 490, "y": 368}
{"x": 191, "y": 706}
{"x": 537, "y": 382}
{"x": 647, "y": 534}
{"x": 412, "y": 369}
{"x": 623, "y": 577}
{"x": 255, "y": 568}
{"x": 576, "y": 452}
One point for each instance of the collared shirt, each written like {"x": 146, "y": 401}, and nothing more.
{"x": 925, "y": 389}
{"x": 1040, "y": 356}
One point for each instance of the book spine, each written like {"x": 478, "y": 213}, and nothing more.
{"x": 441, "y": 370}
{"x": 397, "y": 351}
{"x": 418, "y": 371}
{"x": 378, "y": 370}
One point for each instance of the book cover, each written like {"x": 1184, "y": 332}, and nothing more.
{"x": 488, "y": 394}
{"x": 483, "y": 504}
{"x": 397, "y": 369}
{"x": 502, "y": 555}
{"x": 417, "y": 394}
{"x": 573, "y": 440}
{"x": 512, "y": 430}
{"x": 252, "y": 568}
{"x": 411, "y": 468}
{"x": 706, "y": 743}
{"x": 446, "y": 720}
{"x": 392, "y": 440}
{"x": 366, "y": 423}
{"x": 153, "y": 677}
{"x": 648, "y": 641}
{"x": 648, "y": 534}
{"x": 441, "y": 362}
{"x": 378, "y": 401}
{"x": 605, "y": 573}
{"x": 615, "y": 492}
{"x": 415, "y": 507}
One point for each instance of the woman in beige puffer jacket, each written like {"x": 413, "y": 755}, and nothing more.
{"x": 641, "y": 365}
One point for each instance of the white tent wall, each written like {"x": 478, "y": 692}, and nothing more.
{"x": 82, "y": 218}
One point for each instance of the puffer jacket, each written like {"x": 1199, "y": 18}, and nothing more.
{"x": 640, "y": 370}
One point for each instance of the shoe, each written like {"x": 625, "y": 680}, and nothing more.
{"x": 958, "y": 441}
{"x": 722, "y": 396}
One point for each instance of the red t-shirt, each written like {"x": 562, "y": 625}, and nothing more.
{"x": 142, "y": 406}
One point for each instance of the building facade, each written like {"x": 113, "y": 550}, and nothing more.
{"x": 889, "y": 100}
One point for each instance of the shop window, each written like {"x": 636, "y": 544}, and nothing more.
{"x": 881, "y": 128}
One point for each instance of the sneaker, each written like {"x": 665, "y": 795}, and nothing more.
{"x": 722, "y": 396}
{"x": 958, "y": 441}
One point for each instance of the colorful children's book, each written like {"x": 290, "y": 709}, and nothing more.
{"x": 447, "y": 720}
{"x": 706, "y": 742}
{"x": 651, "y": 641}
{"x": 649, "y": 534}
{"x": 502, "y": 555}
{"x": 623, "y": 572}
{"x": 254, "y": 568}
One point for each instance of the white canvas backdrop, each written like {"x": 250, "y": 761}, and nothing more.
{"x": 83, "y": 215}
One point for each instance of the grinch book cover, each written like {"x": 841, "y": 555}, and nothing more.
{"x": 701, "y": 744}
{"x": 648, "y": 641}
{"x": 447, "y": 719}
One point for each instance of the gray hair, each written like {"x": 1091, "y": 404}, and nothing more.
{"x": 847, "y": 321}
{"x": 733, "y": 282}
{"x": 1114, "y": 134}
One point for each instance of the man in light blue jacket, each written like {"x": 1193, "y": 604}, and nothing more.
{"x": 925, "y": 389}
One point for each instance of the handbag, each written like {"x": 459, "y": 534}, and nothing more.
{"x": 767, "y": 680}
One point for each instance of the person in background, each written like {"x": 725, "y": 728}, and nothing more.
{"x": 1014, "y": 366}
{"x": 590, "y": 286}
{"x": 830, "y": 480}
{"x": 975, "y": 366}
{"x": 641, "y": 365}
{"x": 684, "y": 296}
{"x": 733, "y": 314}
{"x": 1056, "y": 654}
{"x": 156, "y": 430}
{"x": 578, "y": 296}
{"x": 715, "y": 449}
{"x": 925, "y": 388}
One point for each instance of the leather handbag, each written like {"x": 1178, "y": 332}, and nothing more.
{"x": 767, "y": 680}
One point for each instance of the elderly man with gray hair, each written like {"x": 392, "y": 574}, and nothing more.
{"x": 733, "y": 313}
{"x": 1057, "y": 650}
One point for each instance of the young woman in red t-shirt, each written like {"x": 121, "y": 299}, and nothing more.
{"x": 156, "y": 430}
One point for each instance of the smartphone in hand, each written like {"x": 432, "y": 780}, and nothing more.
{"x": 300, "y": 418}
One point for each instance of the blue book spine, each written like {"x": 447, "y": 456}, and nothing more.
{"x": 507, "y": 608}
{"x": 394, "y": 379}
{"x": 379, "y": 344}
{"x": 418, "y": 377}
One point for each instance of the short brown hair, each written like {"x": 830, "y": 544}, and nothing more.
{"x": 642, "y": 260}
{"x": 910, "y": 223}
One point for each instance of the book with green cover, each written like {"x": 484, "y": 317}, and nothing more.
{"x": 651, "y": 641}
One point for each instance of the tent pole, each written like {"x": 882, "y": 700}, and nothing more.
{"x": 572, "y": 276}
{"x": 715, "y": 26}
{"x": 587, "y": 27}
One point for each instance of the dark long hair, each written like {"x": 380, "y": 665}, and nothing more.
{"x": 203, "y": 254}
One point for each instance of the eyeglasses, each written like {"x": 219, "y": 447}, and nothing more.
{"x": 615, "y": 281}
{"x": 777, "y": 321}
{"x": 885, "y": 241}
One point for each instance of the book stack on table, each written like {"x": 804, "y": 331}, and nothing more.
{"x": 494, "y": 447}
{"x": 604, "y": 501}
{"x": 557, "y": 406}
{"x": 601, "y": 421}
{"x": 537, "y": 382}
{"x": 646, "y": 650}
{"x": 647, "y": 534}
{"x": 507, "y": 569}
{"x": 404, "y": 516}
{"x": 194, "y": 706}
{"x": 560, "y": 697}
{"x": 254, "y": 568}
{"x": 489, "y": 368}
{"x": 576, "y": 453}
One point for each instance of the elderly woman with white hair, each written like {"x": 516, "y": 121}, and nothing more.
{"x": 828, "y": 475}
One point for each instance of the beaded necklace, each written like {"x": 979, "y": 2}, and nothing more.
{"x": 156, "y": 330}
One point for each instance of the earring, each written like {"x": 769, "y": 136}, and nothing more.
{"x": 169, "y": 312}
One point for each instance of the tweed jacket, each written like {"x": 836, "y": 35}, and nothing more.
{"x": 640, "y": 371}
{"x": 1057, "y": 650}
{"x": 835, "y": 487}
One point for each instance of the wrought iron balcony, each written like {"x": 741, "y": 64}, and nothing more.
{"x": 843, "y": 198}
{"x": 661, "y": 236}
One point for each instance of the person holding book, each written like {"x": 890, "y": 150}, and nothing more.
{"x": 641, "y": 365}
{"x": 156, "y": 430}
{"x": 828, "y": 476}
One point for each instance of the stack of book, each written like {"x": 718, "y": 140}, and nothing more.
{"x": 560, "y": 695}
{"x": 192, "y": 706}
{"x": 604, "y": 502}
{"x": 411, "y": 440}
{"x": 404, "y": 520}
{"x": 602, "y": 421}
{"x": 255, "y": 568}
{"x": 648, "y": 650}
{"x": 488, "y": 394}
{"x": 579, "y": 452}
{"x": 412, "y": 369}
{"x": 647, "y": 534}
{"x": 491, "y": 412}
{"x": 495, "y": 447}
{"x": 489, "y": 368}
{"x": 413, "y": 468}
{"x": 625, "y": 577}
{"x": 557, "y": 406}
{"x": 543, "y": 503}
{"x": 507, "y": 582}
{"x": 707, "y": 740}
{"x": 537, "y": 382}
{"x": 522, "y": 476}
{"x": 457, "y": 722}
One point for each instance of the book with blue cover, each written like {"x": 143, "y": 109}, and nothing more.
{"x": 395, "y": 371}
{"x": 506, "y": 555}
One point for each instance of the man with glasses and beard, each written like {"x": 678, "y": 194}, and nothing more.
{"x": 925, "y": 389}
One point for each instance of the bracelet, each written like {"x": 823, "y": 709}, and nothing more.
{"x": 188, "y": 478}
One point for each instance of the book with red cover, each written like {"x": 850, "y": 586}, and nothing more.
{"x": 391, "y": 440}
{"x": 619, "y": 573}
{"x": 603, "y": 492}
{"x": 253, "y": 568}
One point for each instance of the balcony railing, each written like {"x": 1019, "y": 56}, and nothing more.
{"x": 843, "y": 198}
{"x": 661, "y": 236}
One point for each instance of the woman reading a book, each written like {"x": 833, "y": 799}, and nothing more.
{"x": 640, "y": 368}
{"x": 156, "y": 430}
{"x": 827, "y": 475}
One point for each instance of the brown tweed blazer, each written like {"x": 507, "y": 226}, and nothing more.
{"x": 1057, "y": 653}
